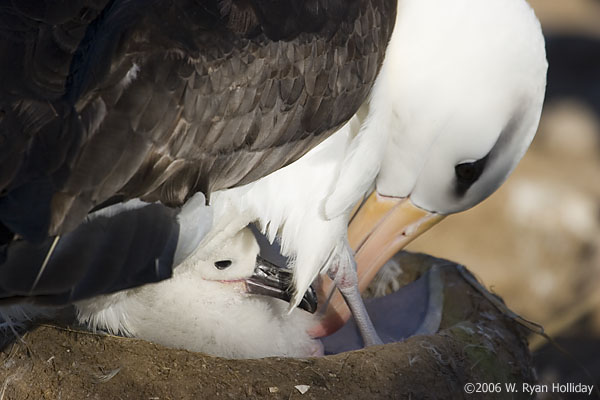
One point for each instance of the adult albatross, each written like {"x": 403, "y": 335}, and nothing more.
{"x": 453, "y": 110}
{"x": 107, "y": 100}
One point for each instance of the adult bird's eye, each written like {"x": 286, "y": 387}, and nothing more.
{"x": 467, "y": 174}
{"x": 222, "y": 264}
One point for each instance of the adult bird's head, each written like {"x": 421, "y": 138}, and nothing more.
{"x": 460, "y": 94}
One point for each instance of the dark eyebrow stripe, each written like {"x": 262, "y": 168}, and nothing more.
{"x": 508, "y": 134}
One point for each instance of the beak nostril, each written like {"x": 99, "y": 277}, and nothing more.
{"x": 222, "y": 264}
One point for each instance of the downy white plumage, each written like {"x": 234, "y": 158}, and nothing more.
{"x": 204, "y": 308}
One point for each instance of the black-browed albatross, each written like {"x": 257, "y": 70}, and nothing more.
{"x": 107, "y": 100}
{"x": 454, "y": 108}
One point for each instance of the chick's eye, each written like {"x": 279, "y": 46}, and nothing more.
{"x": 467, "y": 173}
{"x": 222, "y": 264}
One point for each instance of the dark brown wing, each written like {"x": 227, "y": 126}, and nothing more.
{"x": 159, "y": 99}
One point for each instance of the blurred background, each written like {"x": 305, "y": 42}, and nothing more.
{"x": 536, "y": 242}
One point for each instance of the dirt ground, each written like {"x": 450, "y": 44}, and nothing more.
{"x": 476, "y": 343}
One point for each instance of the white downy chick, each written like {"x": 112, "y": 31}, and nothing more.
{"x": 204, "y": 307}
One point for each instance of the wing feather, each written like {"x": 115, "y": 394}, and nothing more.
{"x": 160, "y": 99}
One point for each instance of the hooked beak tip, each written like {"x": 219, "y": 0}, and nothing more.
{"x": 274, "y": 281}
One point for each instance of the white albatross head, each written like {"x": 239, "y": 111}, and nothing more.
{"x": 466, "y": 92}
{"x": 459, "y": 95}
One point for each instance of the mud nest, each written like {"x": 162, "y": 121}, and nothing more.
{"x": 476, "y": 342}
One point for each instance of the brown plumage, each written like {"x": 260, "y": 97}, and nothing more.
{"x": 159, "y": 99}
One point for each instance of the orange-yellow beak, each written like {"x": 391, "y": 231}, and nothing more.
{"x": 380, "y": 227}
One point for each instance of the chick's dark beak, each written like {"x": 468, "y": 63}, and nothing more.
{"x": 271, "y": 280}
